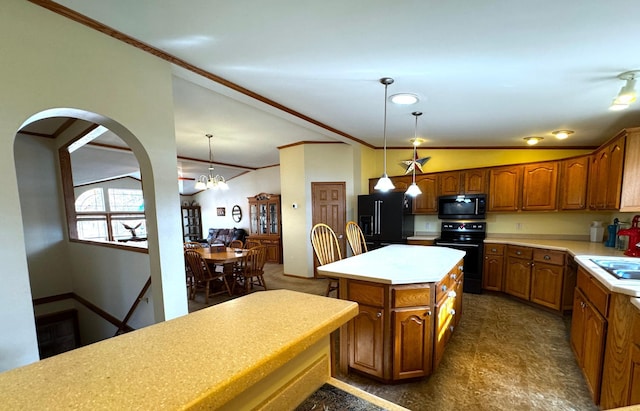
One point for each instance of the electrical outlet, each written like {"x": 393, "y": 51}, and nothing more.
{"x": 518, "y": 226}
{"x": 428, "y": 226}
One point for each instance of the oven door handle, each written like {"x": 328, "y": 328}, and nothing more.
{"x": 458, "y": 244}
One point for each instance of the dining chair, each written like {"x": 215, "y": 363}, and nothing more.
{"x": 250, "y": 271}
{"x": 203, "y": 276}
{"x": 236, "y": 244}
{"x": 188, "y": 245}
{"x": 327, "y": 250}
{"x": 355, "y": 237}
{"x": 251, "y": 244}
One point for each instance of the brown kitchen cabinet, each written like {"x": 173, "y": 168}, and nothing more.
{"x": 540, "y": 186}
{"x": 427, "y": 202}
{"x": 505, "y": 188}
{"x": 517, "y": 278}
{"x": 589, "y": 328}
{"x": 605, "y": 171}
{"x": 265, "y": 224}
{"x": 547, "y": 274}
{"x": 368, "y": 325}
{"x": 493, "y": 269}
{"x": 630, "y": 199}
{"x": 400, "y": 183}
{"x": 191, "y": 223}
{"x": 420, "y": 242}
{"x": 472, "y": 181}
{"x": 574, "y": 173}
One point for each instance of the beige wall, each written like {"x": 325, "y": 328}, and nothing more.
{"x": 54, "y": 66}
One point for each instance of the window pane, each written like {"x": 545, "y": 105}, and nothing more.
{"x": 124, "y": 227}
{"x": 91, "y": 200}
{"x": 92, "y": 228}
{"x": 125, "y": 200}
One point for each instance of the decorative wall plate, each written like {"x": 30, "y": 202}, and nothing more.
{"x": 236, "y": 213}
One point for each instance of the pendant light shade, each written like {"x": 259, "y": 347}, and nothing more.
{"x": 413, "y": 189}
{"x": 384, "y": 184}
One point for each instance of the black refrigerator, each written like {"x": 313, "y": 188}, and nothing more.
{"x": 385, "y": 218}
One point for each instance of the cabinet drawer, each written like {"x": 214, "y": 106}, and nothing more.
{"x": 595, "y": 292}
{"x": 411, "y": 297}
{"x": 366, "y": 293}
{"x": 549, "y": 256}
{"x": 494, "y": 249}
{"x": 519, "y": 252}
{"x": 447, "y": 284}
{"x": 420, "y": 242}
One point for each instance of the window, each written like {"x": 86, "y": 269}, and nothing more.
{"x": 124, "y": 221}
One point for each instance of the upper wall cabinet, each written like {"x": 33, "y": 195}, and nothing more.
{"x": 573, "y": 183}
{"x": 427, "y": 202}
{"x": 605, "y": 175}
{"x": 472, "y": 181}
{"x": 540, "y": 186}
{"x": 630, "y": 201}
{"x": 505, "y": 186}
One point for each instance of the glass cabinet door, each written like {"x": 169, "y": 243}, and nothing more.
{"x": 263, "y": 218}
{"x": 253, "y": 215}
{"x": 273, "y": 218}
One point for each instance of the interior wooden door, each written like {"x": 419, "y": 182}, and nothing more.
{"x": 328, "y": 205}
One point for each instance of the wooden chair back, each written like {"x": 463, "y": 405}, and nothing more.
{"x": 325, "y": 244}
{"x": 236, "y": 244}
{"x": 189, "y": 245}
{"x": 355, "y": 238}
{"x": 252, "y": 267}
{"x": 197, "y": 265}
{"x": 251, "y": 244}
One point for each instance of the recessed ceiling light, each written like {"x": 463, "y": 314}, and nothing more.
{"x": 404, "y": 98}
{"x": 533, "y": 140}
{"x": 562, "y": 134}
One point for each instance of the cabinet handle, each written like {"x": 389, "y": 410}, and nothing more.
{"x": 428, "y": 314}
{"x": 547, "y": 257}
{"x": 451, "y": 328}
{"x": 452, "y": 294}
{"x": 379, "y": 314}
{"x": 494, "y": 250}
{"x": 453, "y": 276}
{"x": 452, "y": 311}
{"x": 518, "y": 252}
{"x": 461, "y": 267}
{"x": 444, "y": 288}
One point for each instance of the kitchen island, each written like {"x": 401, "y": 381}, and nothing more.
{"x": 410, "y": 301}
{"x": 266, "y": 350}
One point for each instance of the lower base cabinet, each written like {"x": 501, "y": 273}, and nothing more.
{"x": 401, "y": 331}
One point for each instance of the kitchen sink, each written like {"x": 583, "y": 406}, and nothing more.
{"x": 621, "y": 269}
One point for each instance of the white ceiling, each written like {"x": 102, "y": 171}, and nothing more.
{"x": 487, "y": 73}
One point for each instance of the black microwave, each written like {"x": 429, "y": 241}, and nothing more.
{"x": 462, "y": 207}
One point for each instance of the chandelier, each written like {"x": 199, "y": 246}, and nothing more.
{"x": 211, "y": 181}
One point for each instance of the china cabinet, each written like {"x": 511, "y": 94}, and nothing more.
{"x": 191, "y": 223}
{"x": 265, "y": 224}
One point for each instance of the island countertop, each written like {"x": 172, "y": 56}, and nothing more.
{"x": 202, "y": 360}
{"x": 396, "y": 264}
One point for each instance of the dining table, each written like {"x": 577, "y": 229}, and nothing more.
{"x": 226, "y": 258}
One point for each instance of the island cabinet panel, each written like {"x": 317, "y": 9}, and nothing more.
{"x": 540, "y": 186}
{"x": 413, "y": 334}
{"x": 366, "y": 341}
{"x": 505, "y": 186}
{"x": 589, "y": 328}
{"x": 634, "y": 373}
{"x": 517, "y": 281}
{"x": 493, "y": 269}
{"x": 574, "y": 174}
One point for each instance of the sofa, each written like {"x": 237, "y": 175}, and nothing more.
{"x": 225, "y": 235}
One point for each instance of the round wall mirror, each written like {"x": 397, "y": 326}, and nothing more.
{"x": 236, "y": 213}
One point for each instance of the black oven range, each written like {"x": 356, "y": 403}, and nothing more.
{"x": 467, "y": 236}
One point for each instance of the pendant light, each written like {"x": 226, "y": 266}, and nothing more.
{"x": 413, "y": 189}
{"x": 211, "y": 181}
{"x": 384, "y": 184}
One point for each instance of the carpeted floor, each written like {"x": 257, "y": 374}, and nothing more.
{"x": 504, "y": 355}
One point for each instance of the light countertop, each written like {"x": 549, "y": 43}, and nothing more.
{"x": 396, "y": 264}
{"x": 210, "y": 356}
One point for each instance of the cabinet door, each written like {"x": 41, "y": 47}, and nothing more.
{"x": 412, "y": 346}
{"x": 598, "y": 172}
{"x": 274, "y": 217}
{"x": 517, "y": 281}
{"x": 614, "y": 175}
{"x": 594, "y": 339}
{"x": 253, "y": 218}
{"x": 450, "y": 183}
{"x": 475, "y": 181}
{"x": 573, "y": 183}
{"x": 540, "y": 186}
{"x": 634, "y": 380}
{"x": 631, "y": 186}
{"x": 401, "y": 183}
{"x": 546, "y": 285}
{"x": 578, "y": 319}
{"x": 366, "y": 340}
{"x": 493, "y": 272}
{"x": 505, "y": 186}
{"x": 444, "y": 326}
{"x": 427, "y": 202}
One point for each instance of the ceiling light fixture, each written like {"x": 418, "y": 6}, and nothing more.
{"x": 533, "y": 140}
{"x": 385, "y": 184}
{"x": 627, "y": 94}
{"x": 405, "y": 99}
{"x": 413, "y": 189}
{"x": 211, "y": 181}
{"x": 562, "y": 134}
